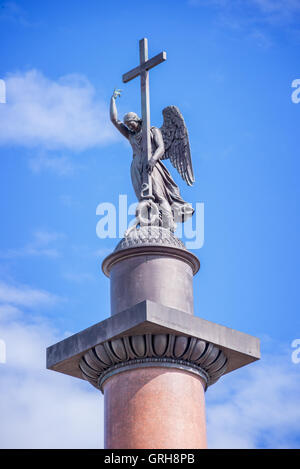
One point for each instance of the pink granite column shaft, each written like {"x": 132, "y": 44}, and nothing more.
{"x": 154, "y": 408}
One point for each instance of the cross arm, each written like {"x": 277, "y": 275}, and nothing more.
{"x": 158, "y": 59}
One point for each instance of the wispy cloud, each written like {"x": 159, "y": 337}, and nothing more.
{"x": 69, "y": 201}
{"x": 53, "y": 114}
{"x": 24, "y": 296}
{"x": 252, "y": 17}
{"x": 41, "y": 245}
{"x": 267, "y": 9}
{"x": 2, "y": 91}
{"x": 46, "y": 161}
{"x": 261, "y": 39}
{"x": 40, "y": 408}
{"x": 278, "y": 11}
{"x": 257, "y": 407}
{"x": 9, "y": 312}
{"x": 78, "y": 277}
{"x": 11, "y": 11}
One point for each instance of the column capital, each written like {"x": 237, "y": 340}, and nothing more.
{"x": 153, "y": 350}
{"x": 151, "y": 330}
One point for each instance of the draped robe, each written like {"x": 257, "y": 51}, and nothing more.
{"x": 163, "y": 186}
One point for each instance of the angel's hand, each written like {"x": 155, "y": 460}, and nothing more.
{"x": 116, "y": 93}
{"x": 150, "y": 165}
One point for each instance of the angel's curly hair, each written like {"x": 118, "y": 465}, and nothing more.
{"x": 131, "y": 116}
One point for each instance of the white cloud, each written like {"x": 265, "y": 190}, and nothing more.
{"x": 260, "y": 38}
{"x": 78, "y": 277}
{"x": 41, "y": 245}
{"x": 278, "y": 12}
{"x": 8, "y": 312}
{"x": 242, "y": 13}
{"x": 103, "y": 252}
{"x": 40, "y": 408}
{"x": 61, "y": 114}
{"x": 256, "y": 407}
{"x": 43, "y": 237}
{"x": 2, "y": 92}
{"x": 23, "y": 295}
{"x": 277, "y": 6}
{"x": 61, "y": 165}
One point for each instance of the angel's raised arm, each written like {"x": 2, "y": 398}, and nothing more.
{"x": 114, "y": 115}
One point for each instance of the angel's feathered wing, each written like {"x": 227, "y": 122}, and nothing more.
{"x": 177, "y": 146}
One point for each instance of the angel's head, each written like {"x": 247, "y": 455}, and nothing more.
{"x": 132, "y": 121}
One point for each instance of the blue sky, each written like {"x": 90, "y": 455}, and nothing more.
{"x": 229, "y": 68}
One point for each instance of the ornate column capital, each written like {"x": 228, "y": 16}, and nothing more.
{"x": 156, "y": 350}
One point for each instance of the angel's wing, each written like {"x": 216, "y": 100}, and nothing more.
{"x": 177, "y": 146}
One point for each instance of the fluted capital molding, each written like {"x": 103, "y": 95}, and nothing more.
{"x": 150, "y": 236}
{"x": 160, "y": 350}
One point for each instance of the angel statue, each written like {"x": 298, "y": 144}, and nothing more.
{"x": 170, "y": 141}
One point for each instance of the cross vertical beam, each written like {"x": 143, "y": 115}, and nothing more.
{"x": 143, "y": 71}
{"x": 145, "y": 104}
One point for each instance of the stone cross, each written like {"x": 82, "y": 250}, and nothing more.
{"x": 142, "y": 70}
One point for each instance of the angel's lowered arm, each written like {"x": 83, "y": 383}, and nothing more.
{"x": 160, "y": 149}
{"x": 159, "y": 143}
{"x": 114, "y": 116}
